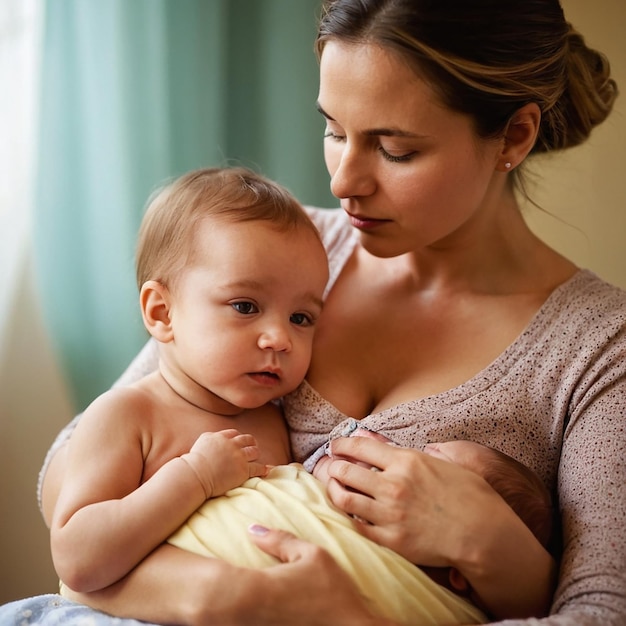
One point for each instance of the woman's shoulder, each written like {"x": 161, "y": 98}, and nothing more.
{"x": 338, "y": 237}
{"x": 587, "y": 299}
{"x": 333, "y": 225}
{"x": 587, "y": 280}
{"x": 583, "y": 322}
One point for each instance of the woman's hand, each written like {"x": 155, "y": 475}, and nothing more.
{"x": 436, "y": 513}
{"x": 416, "y": 505}
{"x": 308, "y": 588}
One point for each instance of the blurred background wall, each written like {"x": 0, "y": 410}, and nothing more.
{"x": 583, "y": 191}
{"x": 123, "y": 95}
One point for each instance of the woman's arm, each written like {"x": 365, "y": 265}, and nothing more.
{"x": 592, "y": 498}
{"x": 171, "y": 586}
{"x": 439, "y": 514}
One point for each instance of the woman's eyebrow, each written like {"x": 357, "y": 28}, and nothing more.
{"x": 393, "y": 132}
{"x": 318, "y": 106}
{"x": 387, "y": 132}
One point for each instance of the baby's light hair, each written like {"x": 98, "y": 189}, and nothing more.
{"x": 166, "y": 237}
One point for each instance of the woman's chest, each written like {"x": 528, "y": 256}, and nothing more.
{"x": 507, "y": 409}
{"x": 376, "y": 348}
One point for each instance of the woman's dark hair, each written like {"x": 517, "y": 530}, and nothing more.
{"x": 488, "y": 58}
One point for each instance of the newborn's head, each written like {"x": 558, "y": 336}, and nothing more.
{"x": 518, "y": 485}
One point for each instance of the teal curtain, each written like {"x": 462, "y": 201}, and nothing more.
{"x": 132, "y": 93}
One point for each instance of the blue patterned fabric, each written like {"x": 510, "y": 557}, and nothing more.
{"x": 53, "y": 610}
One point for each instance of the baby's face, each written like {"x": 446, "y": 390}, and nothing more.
{"x": 467, "y": 454}
{"x": 244, "y": 310}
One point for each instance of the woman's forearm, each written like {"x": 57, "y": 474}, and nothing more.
{"x": 306, "y": 587}
{"x": 172, "y": 586}
{"x": 510, "y": 572}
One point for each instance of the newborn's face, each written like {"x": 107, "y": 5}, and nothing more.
{"x": 467, "y": 454}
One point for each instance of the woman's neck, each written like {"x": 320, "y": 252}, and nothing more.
{"x": 501, "y": 257}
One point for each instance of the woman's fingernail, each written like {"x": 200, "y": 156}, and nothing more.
{"x": 257, "y": 529}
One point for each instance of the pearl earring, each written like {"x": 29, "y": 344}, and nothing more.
{"x": 507, "y": 165}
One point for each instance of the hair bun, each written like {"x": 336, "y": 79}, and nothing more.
{"x": 589, "y": 95}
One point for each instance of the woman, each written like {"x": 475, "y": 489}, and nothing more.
{"x": 446, "y": 318}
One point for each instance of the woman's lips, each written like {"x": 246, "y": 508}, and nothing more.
{"x": 364, "y": 222}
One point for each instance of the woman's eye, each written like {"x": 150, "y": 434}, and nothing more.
{"x": 301, "y": 319}
{"x": 245, "y": 308}
{"x": 329, "y": 134}
{"x": 402, "y": 158}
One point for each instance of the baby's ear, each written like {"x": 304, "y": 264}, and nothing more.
{"x": 458, "y": 582}
{"x": 155, "y": 302}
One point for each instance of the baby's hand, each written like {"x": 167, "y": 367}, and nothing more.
{"x": 369, "y": 434}
{"x": 320, "y": 471}
{"x": 224, "y": 460}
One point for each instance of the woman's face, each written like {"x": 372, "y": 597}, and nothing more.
{"x": 410, "y": 173}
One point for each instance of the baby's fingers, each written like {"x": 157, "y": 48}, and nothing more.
{"x": 248, "y": 444}
{"x": 258, "y": 469}
{"x": 241, "y": 439}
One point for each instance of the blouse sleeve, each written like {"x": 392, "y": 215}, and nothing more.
{"x": 592, "y": 499}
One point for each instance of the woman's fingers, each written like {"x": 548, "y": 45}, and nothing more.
{"x": 308, "y": 587}
{"x": 286, "y": 547}
{"x": 382, "y": 503}
{"x": 367, "y": 449}
{"x": 423, "y": 507}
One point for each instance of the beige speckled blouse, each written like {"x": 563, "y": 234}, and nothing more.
{"x": 555, "y": 400}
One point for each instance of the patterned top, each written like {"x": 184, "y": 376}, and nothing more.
{"x": 555, "y": 400}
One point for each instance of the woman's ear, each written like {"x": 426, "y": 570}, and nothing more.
{"x": 155, "y": 303}
{"x": 520, "y": 136}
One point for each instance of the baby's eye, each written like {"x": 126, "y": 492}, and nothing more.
{"x": 301, "y": 319}
{"x": 245, "y": 308}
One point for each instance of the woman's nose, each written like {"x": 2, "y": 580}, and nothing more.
{"x": 350, "y": 176}
{"x": 276, "y": 338}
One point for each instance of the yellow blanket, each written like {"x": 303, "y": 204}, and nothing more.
{"x": 291, "y": 499}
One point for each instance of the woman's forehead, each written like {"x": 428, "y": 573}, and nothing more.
{"x": 367, "y": 64}
{"x": 372, "y": 89}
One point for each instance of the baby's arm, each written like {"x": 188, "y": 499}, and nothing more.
{"x": 144, "y": 363}
{"x": 106, "y": 521}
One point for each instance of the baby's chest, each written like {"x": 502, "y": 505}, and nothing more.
{"x": 164, "y": 444}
